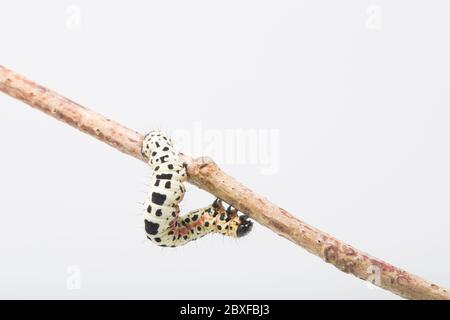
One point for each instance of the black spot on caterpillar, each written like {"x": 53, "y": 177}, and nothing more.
{"x": 158, "y": 198}
{"x": 151, "y": 228}
{"x": 164, "y": 176}
{"x": 163, "y": 224}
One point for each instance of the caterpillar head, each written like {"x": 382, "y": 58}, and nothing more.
{"x": 245, "y": 226}
{"x": 229, "y": 222}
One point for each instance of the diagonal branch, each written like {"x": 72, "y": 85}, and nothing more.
{"x": 205, "y": 174}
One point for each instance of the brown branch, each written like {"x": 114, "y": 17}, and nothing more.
{"x": 205, "y": 174}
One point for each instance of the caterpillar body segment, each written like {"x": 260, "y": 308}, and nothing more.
{"x": 163, "y": 223}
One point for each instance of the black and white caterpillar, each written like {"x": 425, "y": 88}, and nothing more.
{"x": 163, "y": 223}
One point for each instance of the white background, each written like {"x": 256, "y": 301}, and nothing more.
{"x": 359, "y": 91}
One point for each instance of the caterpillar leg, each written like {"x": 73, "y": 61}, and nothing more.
{"x": 228, "y": 222}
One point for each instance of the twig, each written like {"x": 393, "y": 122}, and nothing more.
{"x": 205, "y": 174}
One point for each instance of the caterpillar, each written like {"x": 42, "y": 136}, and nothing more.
{"x": 164, "y": 225}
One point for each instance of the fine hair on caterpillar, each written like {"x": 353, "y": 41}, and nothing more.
{"x": 164, "y": 225}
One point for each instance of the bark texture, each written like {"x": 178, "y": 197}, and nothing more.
{"x": 205, "y": 174}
